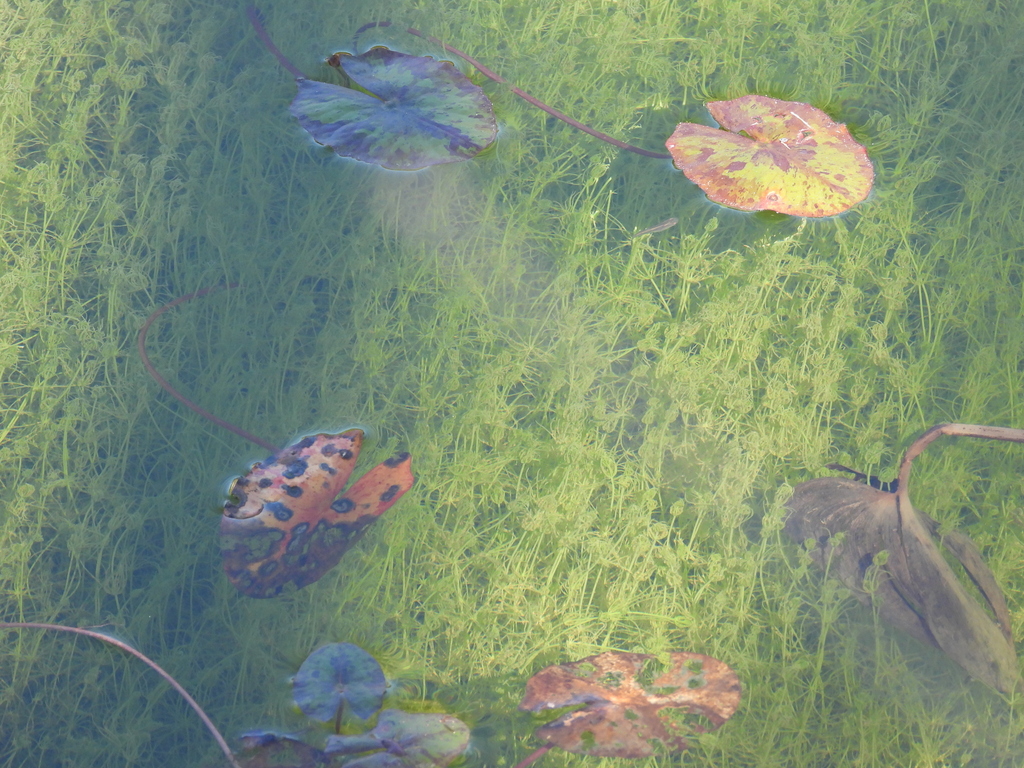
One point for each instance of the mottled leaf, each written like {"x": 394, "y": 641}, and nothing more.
{"x": 411, "y": 111}
{"x": 405, "y": 740}
{"x": 632, "y": 702}
{"x": 773, "y": 155}
{"x": 285, "y": 523}
{"x": 339, "y": 674}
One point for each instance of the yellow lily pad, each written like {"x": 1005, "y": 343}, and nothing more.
{"x": 773, "y": 155}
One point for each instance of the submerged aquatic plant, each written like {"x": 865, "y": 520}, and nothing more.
{"x": 337, "y": 674}
{"x": 286, "y": 522}
{"x": 883, "y": 549}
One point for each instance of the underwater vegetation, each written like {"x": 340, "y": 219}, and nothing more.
{"x": 606, "y": 428}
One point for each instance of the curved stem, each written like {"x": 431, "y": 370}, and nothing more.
{"x": 256, "y": 19}
{"x": 524, "y": 95}
{"x": 146, "y": 660}
{"x": 172, "y": 391}
{"x": 536, "y": 755}
{"x": 953, "y": 430}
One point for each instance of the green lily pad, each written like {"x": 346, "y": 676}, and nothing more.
{"x": 773, "y": 155}
{"x": 409, "y": 111}
{"x": 404, "y": 740}
{"x": 339, "y": 674}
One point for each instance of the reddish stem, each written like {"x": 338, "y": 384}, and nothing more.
{"x": 255, "y": 18}
{"x": 172, "y": 391}
{"x": 537, "y": 102}
{"x": 537, "y": 755}
{"x": 145, "y": 659}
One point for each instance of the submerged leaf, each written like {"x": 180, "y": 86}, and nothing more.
{"x": 773, "y": 155}
{"x": 410, "y": 111}
{"x": 632, "y": 702}
{"x": 405, "y": 740}
{"x": 266, "y": 749}
{"x": 336, "y": 674}
{"x": 283, "y": 525}
{"x": 912, "y": 585}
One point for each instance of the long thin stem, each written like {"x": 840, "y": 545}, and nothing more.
{"x": 221, "y": 742}
{"x": 256, "y": 20}
{"x": 172, "y": 391}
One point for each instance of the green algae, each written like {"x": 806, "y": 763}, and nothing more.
{"x": 604, "y": 430}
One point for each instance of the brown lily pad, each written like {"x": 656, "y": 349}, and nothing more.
{"x": 632, "y": 702}
{"x": 773, "y": 155}
{"x": 288, "y": 522}
{"x": 888, "y": 555}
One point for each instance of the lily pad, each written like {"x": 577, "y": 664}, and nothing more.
{"x": 409, "y": 111}
{"x": 405, "y": 740}
{"x": 871, "y": 538}
{"x": 773, "y": 155}
{"x": 285, "y": 523}
{"x": 632, "y": 702}
{"x": 336, "y": 675}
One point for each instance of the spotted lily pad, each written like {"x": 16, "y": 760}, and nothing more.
{"x": 405, "y": 740}
{"x": 285, "y": 523}
{"x": 336, "y": 675}
{"x": 773, "y": 155}
{"x": 632, "y": 702}
{"x": 409, "y": 112}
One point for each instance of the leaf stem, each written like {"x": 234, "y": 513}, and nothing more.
{"x": 221, "y": 742}
{"x": 523, "y": 94}
{"x": 256, "y": 19}
{"x": 536, "y": 755}
{"x": 172, "y": 391}
{"x": 953, "y": 430}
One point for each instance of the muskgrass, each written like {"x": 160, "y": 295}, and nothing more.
{"x": 605, "y": 429}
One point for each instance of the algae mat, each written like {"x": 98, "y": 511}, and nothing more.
{"x": 604, "y": 428}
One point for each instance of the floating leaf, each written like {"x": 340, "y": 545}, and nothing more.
{"x": 632, "y": 702}
{"x": 410, "y": 111}
{"x": 336, "y": 675}
{"x": 912, "y": 585}
{"x": 283, "y": 524}
{"x": 773, "y": 155}
{"x": 405, "y": 740}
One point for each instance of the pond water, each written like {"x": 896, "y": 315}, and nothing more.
{"x": 604, "y": 428}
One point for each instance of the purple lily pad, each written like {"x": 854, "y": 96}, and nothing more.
{"x": 337, "y": 675}
{"x": 405, "y": 740}
{"x": 409, "y": 112}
